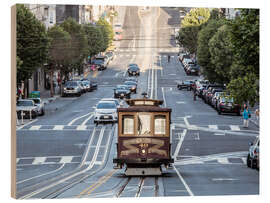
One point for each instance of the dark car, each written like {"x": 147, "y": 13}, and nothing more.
{"x": 192, "y": 69}
{"x": 122, "y": 91}
{"x": 226, "y": 105}
{"x": 253, "y": 154}
{"x": 183, "y": 56}
{"x": 133, "y": 70}
{"x": 132, "y": 86}
{"x": 185, "y": 85}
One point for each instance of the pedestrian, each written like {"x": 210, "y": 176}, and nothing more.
{"x": 194, "y": 96}
{"x": 246, "y": 116}
{"x": 169, "y": 57}
{"x": 257, "y": 113}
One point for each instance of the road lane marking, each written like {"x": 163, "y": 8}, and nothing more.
{"x": 58, "y": 127}
{"x": 179, "y": 144}
{"x": 86, "y": 152}
{"x": 244, "y": 160}
{"x": 26, "y": 124}
{"x": 35, "y": 127}
{"x": 77, "y": 118}
{"x": 234, "y": 127}
{"x": 213, "y": 127}
{"x": 223, "y": 160}
{"x": 53, "y": 171}
{"x": 39, "y": 160}
{"x": 66, "y": 159}
{"x": 184, "y": 182}
{"x": 81, "y": 127}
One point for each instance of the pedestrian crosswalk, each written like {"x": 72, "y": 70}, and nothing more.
{"x": 48, "y": 160}
{"x": 174, "y": 126}
{"x": 173, "y": 49}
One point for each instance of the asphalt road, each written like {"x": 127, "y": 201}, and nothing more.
{"x": 63, "y": 154}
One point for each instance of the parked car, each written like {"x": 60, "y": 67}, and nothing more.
{"x": 133, "y": 70}
{"x": 183, "y": 56}
{"x": 118, "y": 27}
{"x": 187, "y": 62}
{"x": 86, "y": 85}
{"x": 210, "y": 94}
{"x": 26, "y": 107}
{"x": 215, "y": 98}
{"x": 226, "y": 105}
{"x": 122, "y": 91}
{"x": 110, "y": 55}
{"x": 132, "y": 86}
{"x": 200, "y": 85}
{"x": 253, "y": 154}
{"x": 206, "y": 89}
{"x": 105, "y": 111}
{"x": 93, "y": 85}
{"x": 185, "y": 85}
{"x": 192, "y": 69}
{"x": 40, "y": 106}
{"x": 101, "y": 62}
{"x": 72, "y": 88}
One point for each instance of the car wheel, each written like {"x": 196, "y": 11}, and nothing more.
{"x": 42, "y": 112}
{"x": 238, "y": 113}
{"x": 248, "y": 161}
{"x": 253, "y": 164}
{"x": 79, "y": 94}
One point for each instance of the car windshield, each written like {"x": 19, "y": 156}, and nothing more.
{"x": 118, "y": 33}
{"x": 130, "y": 83}
{"x": 109, "y": 54}
{"x": 133, "y": 68}
{"x": 85, "y": 82}
{"x": 106, "y": 105}
{"x": 36, "y": 101}
{"x": 72, "y": 84}
{"x": 122, "y": 87}
{"x": 24, "y": 103}
{"x": 226, "y": 99}
{"x": 187, "y": 82}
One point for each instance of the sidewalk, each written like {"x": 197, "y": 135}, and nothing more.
{"x": 46, "y": 96}
{"x": 253, "y": 118}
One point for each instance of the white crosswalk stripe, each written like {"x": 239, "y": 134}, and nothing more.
{"x": 35, "y": 127}
{"x": 215, "y": 127}
{"x": 39, "y": 160}
{"x": 66, "y": 159}
{"x": 223, "y": 160}
{"x": 234, "y": 127}
{"x": 81, "y": 127}
{"x": 58, "y": 127}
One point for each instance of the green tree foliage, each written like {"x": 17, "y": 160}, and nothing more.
{"x": 245, "y": 68}
{"x": 32, "y": 43}
{"x": 244, "y": 89}
{"x": 107, "y": 32}
{"x": 95, "y": 39}
{"x": 78, "y": 45}
{"x": 196, "y": 17}
{"x": 203, "y": 53}
{"x": 221, "y": 53}
{"x": 59, "y": 51}
{"x": 190, "y": 26}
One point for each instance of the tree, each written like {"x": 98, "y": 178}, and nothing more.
{"x": 78, "y": 44}
{"x": 95, "y": 39}
{"x": 196, "y": 17}
{"x": 244, "y": 38}
{"x": 107, "y": 32}
{"x": 190, "y": 26}
{"x": 221, "y": 54}
{"x": 32, "y": 43}
{"x": 203, "y": 53}
{"x": 58, "y": 51}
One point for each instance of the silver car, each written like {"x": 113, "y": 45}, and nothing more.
{"x": 72, "y": 88}
{"x": 26, "y": 108}
{"x": 40, "y": 105}
{"x": 105, "y": 111}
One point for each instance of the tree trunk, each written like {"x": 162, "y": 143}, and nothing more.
{"x": 51, "y": 81}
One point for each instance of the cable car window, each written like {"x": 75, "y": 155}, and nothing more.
{"x": 160, "y": 124}
{"x": 128, "y": 125}
{"x": 144, "y": 124}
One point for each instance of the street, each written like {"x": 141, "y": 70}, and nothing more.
{"x": 64, "y": 155}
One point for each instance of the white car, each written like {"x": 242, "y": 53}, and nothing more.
{"x": 26, "y": 108}
{"x": 40, "y": 105}
{"x": 105, "y": 111}
{"x": 116, "y": 101}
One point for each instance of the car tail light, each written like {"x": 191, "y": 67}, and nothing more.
{"x": 255, "y": 152}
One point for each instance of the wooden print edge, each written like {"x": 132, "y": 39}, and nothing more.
{"x": 13, "y": 101}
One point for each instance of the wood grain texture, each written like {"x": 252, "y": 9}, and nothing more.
{"x": 13, "y": 101}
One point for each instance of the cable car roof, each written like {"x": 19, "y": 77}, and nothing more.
{"x": 144, "y": 102}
